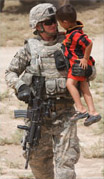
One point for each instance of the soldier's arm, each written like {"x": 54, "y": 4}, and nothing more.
{"x": 16, "y": 68}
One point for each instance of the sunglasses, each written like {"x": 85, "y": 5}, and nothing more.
{"x": 50, "y": 21}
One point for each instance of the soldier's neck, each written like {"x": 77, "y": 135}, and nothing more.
{"x": 47, "y": 37}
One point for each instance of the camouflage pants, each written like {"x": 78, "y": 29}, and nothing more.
{"x": 57, "y": 152}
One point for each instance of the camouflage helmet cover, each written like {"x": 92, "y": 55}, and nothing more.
{"x": 40, "y": 13}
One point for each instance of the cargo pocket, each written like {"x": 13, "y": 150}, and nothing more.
{"x": 51, "y": 87}
{"x": 61, "y": 85}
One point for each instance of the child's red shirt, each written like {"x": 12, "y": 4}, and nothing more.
{"x": 74, "y": 47}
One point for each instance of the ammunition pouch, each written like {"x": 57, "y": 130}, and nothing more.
{"x": 61, "y": 61}
{"x": 56, "y": 86}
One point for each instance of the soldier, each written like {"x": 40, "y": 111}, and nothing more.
{"x": 58, "y": 149}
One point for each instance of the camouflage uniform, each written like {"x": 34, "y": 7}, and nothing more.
{"x": 58, "y": 148}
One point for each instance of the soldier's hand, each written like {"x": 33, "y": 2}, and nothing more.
{"x": 24, "y": 93}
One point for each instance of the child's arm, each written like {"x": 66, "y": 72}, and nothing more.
{"x": 84, "y": 60}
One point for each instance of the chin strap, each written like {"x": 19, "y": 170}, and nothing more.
{"x": 37, "y": 32}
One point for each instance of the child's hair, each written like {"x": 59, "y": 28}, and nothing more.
{"x": 66, "y": 12}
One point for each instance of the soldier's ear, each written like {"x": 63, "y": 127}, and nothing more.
{"x": 38, "y": 27}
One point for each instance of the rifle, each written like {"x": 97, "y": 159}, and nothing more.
{"x": 39, "y": 108}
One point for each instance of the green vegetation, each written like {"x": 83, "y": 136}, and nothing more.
{"x": 13, "y": 165}
{"x": 1, "y": 171}
{"x": 28, "y": 176}
{"x": 14, "y": 138}
{"x": 14, "y": 27}
{"x": 94, "y": 151}
{"x": 103, "y": 172}
{"x": 4, "y": 95}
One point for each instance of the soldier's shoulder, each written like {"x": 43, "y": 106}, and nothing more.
{"x": 31, "y": 40}
{"x": 31, "y": 43}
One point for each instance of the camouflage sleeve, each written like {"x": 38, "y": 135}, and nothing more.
{"x": 16, "y": 68}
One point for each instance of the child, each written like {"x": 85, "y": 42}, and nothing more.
{"x": 77, "y": 48}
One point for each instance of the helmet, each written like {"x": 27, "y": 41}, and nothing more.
{"x": 40, "y": 13}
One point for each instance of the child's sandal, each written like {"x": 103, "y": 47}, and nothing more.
{"x": 79, "y": 115}
{"x": 92, "y": 119}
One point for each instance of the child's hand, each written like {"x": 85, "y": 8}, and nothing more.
{"x": 83, "y": 63}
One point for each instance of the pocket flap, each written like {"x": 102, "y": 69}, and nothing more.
{"x": 61, "y": 82}
{"x": 50, "y": 86}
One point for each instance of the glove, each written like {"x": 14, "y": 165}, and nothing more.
{"x": 79, "y": 71}
{"x": 24, "y": 93}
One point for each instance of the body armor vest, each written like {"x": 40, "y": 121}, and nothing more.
{"x": 43, "y": 63}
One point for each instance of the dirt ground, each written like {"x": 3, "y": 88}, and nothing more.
{"x": 11, "y": 160}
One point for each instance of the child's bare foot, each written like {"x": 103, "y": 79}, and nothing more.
{"x": 80, "y": 109}
{"x": 93, "y": 112}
